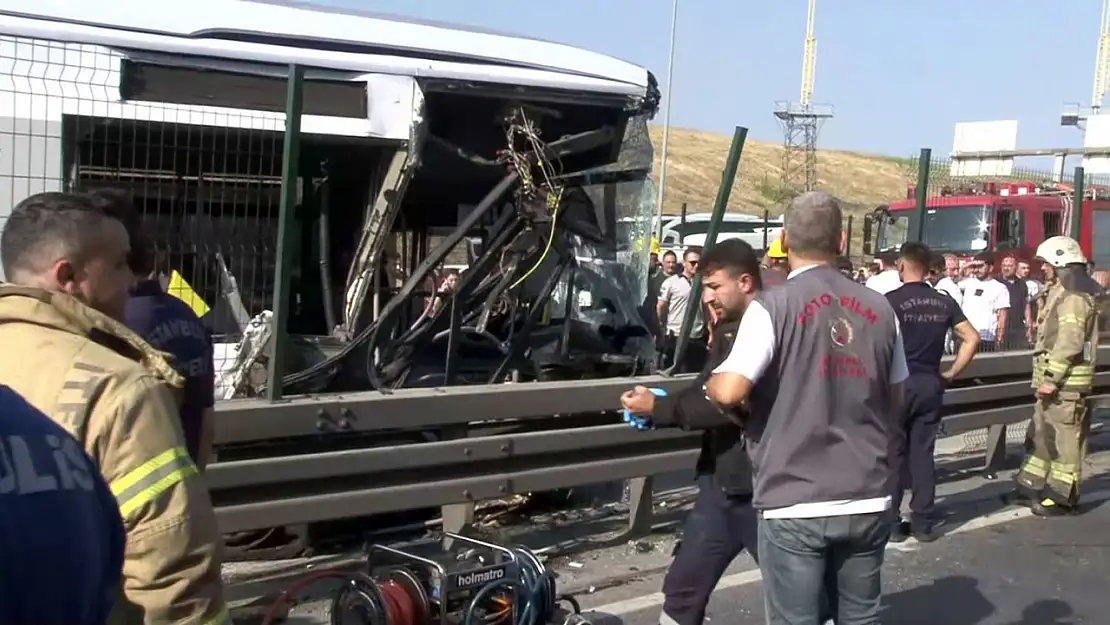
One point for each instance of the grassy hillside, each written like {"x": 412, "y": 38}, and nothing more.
{"x": 696, "y": 158}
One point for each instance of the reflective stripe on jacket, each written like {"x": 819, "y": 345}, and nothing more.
{"x": 1067, "y": 340}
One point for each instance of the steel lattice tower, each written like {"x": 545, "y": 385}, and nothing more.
{"x": 801, "y": 123}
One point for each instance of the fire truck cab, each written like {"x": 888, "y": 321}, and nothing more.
{"x": 1014, "y": 217}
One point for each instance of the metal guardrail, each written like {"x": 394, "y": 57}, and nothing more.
{"x": 251, "y": 420}
{"x": 311, "y": 487}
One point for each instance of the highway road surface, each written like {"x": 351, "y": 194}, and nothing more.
{"x": 995, "y": 565}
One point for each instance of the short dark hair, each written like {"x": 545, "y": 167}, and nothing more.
{"x": 917, "y": 254}
{"x": 54, "y": 222}
{"x": 734, "y": 256}
{"x": 693, "y": 249}
{"x": 813, "y": 225}
{"x": 985, "y": 257}
{"x": 118, "y": 203}
{"x": 844, "y": 263}
{"x": 670, "y": 253}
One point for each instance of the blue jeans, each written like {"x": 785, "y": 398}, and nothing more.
{"x": 836, "y": 557}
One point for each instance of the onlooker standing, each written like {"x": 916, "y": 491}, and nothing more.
{"x": 950, "y": 283}
{"x": 926, "y": 316}
{"x": 670, "y": 264}
{"x": 886, "y": 280}
{"x": 172, "y": 327}
{"x": 1019, "y": 329}
{"x": 1033, "y": 285}
{"x": 820, "y": 362}
{"x": 61, "y": 537}
{"x": 674, "y": 298}
{"x": 986, "y": 302}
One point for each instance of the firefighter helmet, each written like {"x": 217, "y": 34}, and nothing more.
{"x": 1060, "y": 251}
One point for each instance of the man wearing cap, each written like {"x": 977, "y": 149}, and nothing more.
{"x": 1063, "y": 370}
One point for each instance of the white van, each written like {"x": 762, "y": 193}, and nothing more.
{"x": 679, "y": 234}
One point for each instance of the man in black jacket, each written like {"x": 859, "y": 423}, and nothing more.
{"x": 723, "y": 522}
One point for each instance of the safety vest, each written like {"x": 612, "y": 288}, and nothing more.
{"x": 1067, "y": 340}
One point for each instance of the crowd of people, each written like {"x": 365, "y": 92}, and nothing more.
{"x": 819, "y": 407}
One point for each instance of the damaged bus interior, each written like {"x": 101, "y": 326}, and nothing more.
{"x": 523, "y": 189}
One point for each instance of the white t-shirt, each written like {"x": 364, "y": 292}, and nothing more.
{"x": 884, "y": 282}
{"x": 982, "y": 301}
{"x": 751, "y": 354}
{"x": 949, "y": 286}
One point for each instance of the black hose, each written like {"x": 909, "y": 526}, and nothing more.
{"x": 433, "y": 260}
{"x": 564, "y": 146}
{"x": 324, "y": 225}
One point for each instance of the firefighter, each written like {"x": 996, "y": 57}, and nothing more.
{"x": 67, "y": 353}
{"x": 1063, "y": 366}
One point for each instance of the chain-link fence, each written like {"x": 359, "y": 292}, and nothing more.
{"x": 206, "y": 179}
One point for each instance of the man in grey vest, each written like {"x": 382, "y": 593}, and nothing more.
{"x": 820, "y": 363}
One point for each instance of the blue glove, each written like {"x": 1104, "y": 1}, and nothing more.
{"x": 642, "y": 423}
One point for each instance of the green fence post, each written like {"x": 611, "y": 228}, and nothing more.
{"x": 1080, "y": 180}
{"x": 728, "y": 177}
{"x": 924, "y": 164}
{"x": 289, "y": 183}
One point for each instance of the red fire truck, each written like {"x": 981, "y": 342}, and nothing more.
{"x": 995, "y": 216}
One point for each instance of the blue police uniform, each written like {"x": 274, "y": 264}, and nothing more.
{"x": 171, "y": 326}
{"x": 61, "y": 536}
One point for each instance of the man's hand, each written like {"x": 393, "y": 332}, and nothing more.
{"x": 640, "y": 401}
{"x": 948, "y": 376}
{"x": 1046, "y": 390}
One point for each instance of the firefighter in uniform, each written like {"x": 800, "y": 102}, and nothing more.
{"x": 114, "y": 393}
{"x": 1063, "y": 368}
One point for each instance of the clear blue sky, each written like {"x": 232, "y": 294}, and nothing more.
{"x": 899, "y": 73}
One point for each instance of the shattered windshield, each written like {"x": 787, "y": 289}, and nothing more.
{"x": 610, "y": 284}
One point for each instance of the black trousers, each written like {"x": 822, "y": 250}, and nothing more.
{"x": 693, "y": 358}
{"x": 717, "y": 530}
{"x": 913, "y": 465}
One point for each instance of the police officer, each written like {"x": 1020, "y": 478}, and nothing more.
{"x": 723, "y": 523}
{"x": 68, "y": 354}
{"x": 926, "y": 315}
{"x": 61, "y": 537}
{"x": 1063, "y": 368}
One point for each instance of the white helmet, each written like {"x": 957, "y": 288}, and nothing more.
{"x": 1060, "y": 251}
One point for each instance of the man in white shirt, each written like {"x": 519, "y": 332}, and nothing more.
{"x": 986, "y": 303}
{"x": 951, "y": 280}
{"x": 886, "y": 280}
{"x": 674, "y": 299}
{"x": 820, "y": 363}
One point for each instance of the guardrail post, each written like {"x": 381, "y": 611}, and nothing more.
{"x": 639, "y": 505}
{"x": 996, "y": 451}
{"x": 294, "y": 101}
{"x": 458, "y": 518}
{"x": 724, "y": 191}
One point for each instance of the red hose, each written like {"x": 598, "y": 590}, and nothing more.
{"x": 287, "y": 597}
{"x": 400, "y": 605}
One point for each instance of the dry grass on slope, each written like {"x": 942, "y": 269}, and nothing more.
{"x": 696, "y": 158}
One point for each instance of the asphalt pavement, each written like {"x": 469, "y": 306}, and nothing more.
{"x": 1003, "y": 568}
